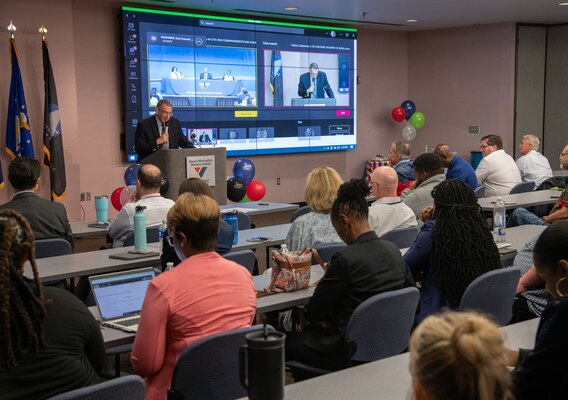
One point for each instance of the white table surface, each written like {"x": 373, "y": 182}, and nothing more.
{"x": 518, "y": 200}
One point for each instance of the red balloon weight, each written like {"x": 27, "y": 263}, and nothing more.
{"x": 256, "y": 190}
{"x": 115, "y": 198}
{"x": 398, "y": 114}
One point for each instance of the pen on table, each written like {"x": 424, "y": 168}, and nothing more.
{"x": 262, "y": 204}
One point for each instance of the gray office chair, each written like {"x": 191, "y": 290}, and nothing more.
{"x": 127, "y": 387}
{"x": 244, "y": 221}
{"x": 522, "y": 187}
{"x": 326, "y": 251}
{"x": 299, "y": 212}
{"x": 208, "y": 369}
{"x": 246, "y": 258}
{"x": 378, "y": 328}
{"x": 52, "y": 247}
{"x": 403, "y": 238}
{"x": 493, "y": 293}
{"x": 479, "y": 191}
{"x": 152, "y": 236}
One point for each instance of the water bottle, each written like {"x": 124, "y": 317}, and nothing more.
{"x": 499, "y": 221}
{"x": 231, "y": 219}
{"x": 169, "y": 265}
{"x": 162, "y": 232}
{"x": 283, "y": 249}
{"x": 140, "y": 242}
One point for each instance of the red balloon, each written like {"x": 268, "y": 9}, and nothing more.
{"x": 115, "y": 198}
{"x": 398, "y": 114}
{"x": 256, "y": 190}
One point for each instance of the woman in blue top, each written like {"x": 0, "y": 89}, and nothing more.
{"x": 454, "y": 247}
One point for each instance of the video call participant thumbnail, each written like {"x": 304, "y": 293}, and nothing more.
{"x": 314, "y": 84}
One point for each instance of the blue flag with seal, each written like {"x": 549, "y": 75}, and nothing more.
{"x": 276, "y": 83}
{"x": 52, "y": 139}
{"x": 18, "y": 135}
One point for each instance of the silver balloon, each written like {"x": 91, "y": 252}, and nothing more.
{"x": 408, "y": 133}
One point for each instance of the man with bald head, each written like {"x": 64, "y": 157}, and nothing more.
{"x": 457, "y": 167}
{"x": 148, "y": 183}
{"x": 388, "y": 212}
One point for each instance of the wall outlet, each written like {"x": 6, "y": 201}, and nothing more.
{"x": 474, "y": 129}
{"x": 82, "y": 196}
{"x": 88, "y": 196}
{"x": 277, "y": 181}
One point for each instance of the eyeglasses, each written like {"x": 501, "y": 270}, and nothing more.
{"x": 170, "y": 240}
{"x": 483, "y": 146}
{"x": 165, "y": 112}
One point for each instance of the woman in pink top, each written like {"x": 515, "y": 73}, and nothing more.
{"x": 204, "y": 295}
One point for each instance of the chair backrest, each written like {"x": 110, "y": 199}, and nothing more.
{"x": 403, "y": 238}
{"x": 126, "y": 387}
{"x": 208, "y": 369}
{"x": 522, "y": 187}
{"x": 52, "y": 247}
{"x": 244, "y": 221}
{"x": 152, "y": 236}
{"x": 299, "y": 212}
{"x": 493, "y": 293}
{"x": 246, "y": 258}
{"x": 380, "y": 326}
{"x": 326, "y": 251}
{"x": 479, "y": 191}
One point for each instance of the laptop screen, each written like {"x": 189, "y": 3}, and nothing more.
{"x": 121, "y": 294}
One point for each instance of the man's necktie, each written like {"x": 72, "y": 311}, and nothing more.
{"x": 313, "y": 94}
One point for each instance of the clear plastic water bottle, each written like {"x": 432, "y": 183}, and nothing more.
{"x": 283, "y": 249}
{"x": 499, "y": 221}
{"x": 169, "y": 265}
{"x": 140, "y": 242}
{"x": 232, "y": 219}
{"x": 162, "y": 232}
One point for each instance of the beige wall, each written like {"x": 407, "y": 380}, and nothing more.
{"x": 468, "y": 71}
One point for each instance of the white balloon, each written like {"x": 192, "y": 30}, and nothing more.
{"x": 408, "y": 133}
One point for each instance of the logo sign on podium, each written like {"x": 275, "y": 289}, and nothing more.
{"x": 202, "y": 167}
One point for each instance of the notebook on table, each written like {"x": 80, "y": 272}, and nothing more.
{"x": 119, "y": 296}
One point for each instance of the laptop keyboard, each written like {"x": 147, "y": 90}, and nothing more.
{"x": 130, "y": 322}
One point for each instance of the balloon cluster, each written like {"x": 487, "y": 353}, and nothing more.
{"x": 413, "y": 119}
{"x": 242, "y": 187}
{"x": 127, "y": 194}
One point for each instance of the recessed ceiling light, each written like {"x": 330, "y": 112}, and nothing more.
{"x": 563, "y": 4}
{"x": 411, "y": 20}
{"x": 291, "y": 8}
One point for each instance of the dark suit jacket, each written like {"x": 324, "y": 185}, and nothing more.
{"x": 367, "y": 267}
{"x": 322, "y": 85}
{"x": 48, "y": 219}
{"x": 148, "y": 132}
{"x": 202, "y": 75}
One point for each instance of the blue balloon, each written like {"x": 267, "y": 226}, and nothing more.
{"x": 131, "y": 173}
{"x": 243, "y": 169}
{"x": 409, "y": 107}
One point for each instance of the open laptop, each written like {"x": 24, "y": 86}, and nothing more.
{"x": 119, "y": 296}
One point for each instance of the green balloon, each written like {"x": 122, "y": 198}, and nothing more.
{"x": 417, "y": 120}
{"x": 245, "y": 199}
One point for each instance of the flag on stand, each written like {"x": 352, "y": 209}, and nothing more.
{"x": 18, "y": 136}
{"x": 276, "y": 84}
{"x": 52, "y": 140}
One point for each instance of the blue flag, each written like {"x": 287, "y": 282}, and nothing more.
{"x": 276, "y": 83}
{"x": 52, "y": 138}
{"x": 18, "y": 136}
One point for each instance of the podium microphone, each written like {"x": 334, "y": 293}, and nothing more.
{"x": 193, "y": 136}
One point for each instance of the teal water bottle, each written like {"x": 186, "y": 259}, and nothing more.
{"x": 232, "y": 219}
{"x": 140, "y": 229}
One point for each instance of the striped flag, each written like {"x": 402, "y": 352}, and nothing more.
{"x": 276, "y": 83}
{"x": 52, "y": 140}
{"x": 18, "y": 136}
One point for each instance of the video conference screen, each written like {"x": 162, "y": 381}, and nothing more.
{"x": 254, "y": 87}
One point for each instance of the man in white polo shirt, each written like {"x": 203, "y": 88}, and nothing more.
{"x": 533, "y": 166}
{"x": 497, "y": 171}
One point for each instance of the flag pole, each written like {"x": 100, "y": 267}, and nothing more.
{"x": 12, "y": 29}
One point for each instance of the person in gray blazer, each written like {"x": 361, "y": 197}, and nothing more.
{"x": 429, "y": 173}
{"x": 48, "y": 219}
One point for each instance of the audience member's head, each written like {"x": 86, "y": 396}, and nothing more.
{"x": 22, "y": 306}
{"x": 462, "y": 243}
{"x": 443, "y": 151}
{"x": 321, "y": 189}
{"x": 529, "y": 143}
{"x": 490, "y": 143}
{"x": 384, "y": 181}
{"x": 196, "y": 186}
{"x": 399, "y": 151}
{"x": 427, "y": 165}
{"x": 148, "y": 180}
{"x": 350, "y": 211}
{"x": 193, "y": 224}
{"x": 459, "y": 356}
{"x": 23, "y": 173}
{"x": 564, "y": 158}
{"x": 550, "y": 257}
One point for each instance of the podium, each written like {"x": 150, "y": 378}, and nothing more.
{"x": 309, "y": 102}
{"x": 173, "y": 164}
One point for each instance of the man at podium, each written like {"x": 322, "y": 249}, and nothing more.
{"x": 314, "y": 84}
{"x": 161, "y": 131}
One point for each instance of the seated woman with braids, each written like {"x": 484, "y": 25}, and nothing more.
{"x": 454, "y": 247}
{"x": 366, "y": 267}
{"x": 459, "y": 356}
{"x": 49, "y": 342}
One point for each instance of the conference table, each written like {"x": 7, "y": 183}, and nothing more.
{"x": 518, "y": 200}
